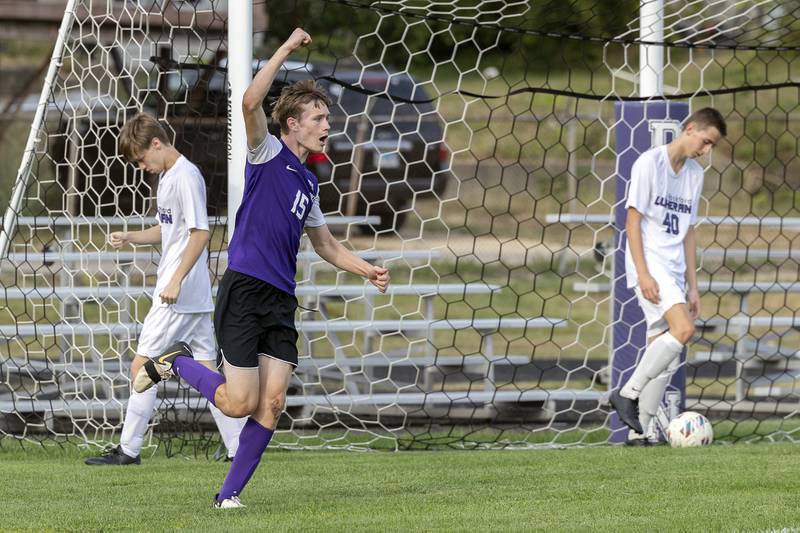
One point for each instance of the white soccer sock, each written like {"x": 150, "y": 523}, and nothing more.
{"x": 651, "y": 396}
{"x": 229, "y": 428}
{"x": 655, "y": 360}
{"x": 137, "y": 418}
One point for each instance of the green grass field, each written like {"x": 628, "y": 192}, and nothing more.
{"x": 718, "y": 488}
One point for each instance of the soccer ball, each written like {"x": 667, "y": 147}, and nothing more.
{"x": 689, "y": 429}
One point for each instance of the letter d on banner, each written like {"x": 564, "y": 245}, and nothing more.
{"x": 639, "y": 127}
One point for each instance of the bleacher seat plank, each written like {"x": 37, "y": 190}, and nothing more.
{"x": 483, "y": 325}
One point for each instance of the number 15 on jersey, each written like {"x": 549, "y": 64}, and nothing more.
{"x": 300, "y": 204}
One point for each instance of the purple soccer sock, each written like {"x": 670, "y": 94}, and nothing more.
{"x": 253, "y": 441}
{"x": 201, "y": 378}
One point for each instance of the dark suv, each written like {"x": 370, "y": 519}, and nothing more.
{"x": 379, "y": 146}
{"x": 384, "y": 148}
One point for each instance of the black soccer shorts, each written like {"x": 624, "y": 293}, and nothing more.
{"x": 251, "y": 319}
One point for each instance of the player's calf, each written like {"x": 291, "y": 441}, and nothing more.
{"x": 159, "y": 368}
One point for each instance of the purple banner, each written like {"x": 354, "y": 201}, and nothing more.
{"x": 639, "y": 127}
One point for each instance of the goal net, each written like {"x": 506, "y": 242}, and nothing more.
{"x": 475, "y": 152}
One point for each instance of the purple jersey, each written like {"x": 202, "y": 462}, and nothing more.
{"x": 280, "y": 197}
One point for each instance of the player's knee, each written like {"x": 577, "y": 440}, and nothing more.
{"x": 239, "y": 407}
{"x": 683, "y": 332}
{"x": 276, "y": 405}
{"x": 241, "y": 410}
{"x": 251, "y": 405}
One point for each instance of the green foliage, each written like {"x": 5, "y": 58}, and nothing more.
{"x": 522, "y": 39}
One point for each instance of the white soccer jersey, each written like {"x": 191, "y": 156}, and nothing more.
{"x": 668, "y": 203}
{"x": 181, "y": 201}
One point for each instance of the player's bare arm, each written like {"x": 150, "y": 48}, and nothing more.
{"x": 334, "y": 253}
{"x": 118, "y": 239}
{"x": 690, "y": 253}
{"x": 198, "y": 240}
{"x": 255, "y": 119}
{"x": 647, "y": 284}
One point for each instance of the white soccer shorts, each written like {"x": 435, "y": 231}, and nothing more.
{"x": 163, "y": 327}
{"x": 670, "y": 290}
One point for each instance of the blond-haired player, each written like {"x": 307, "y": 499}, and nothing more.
{"x": 254, "y": 315}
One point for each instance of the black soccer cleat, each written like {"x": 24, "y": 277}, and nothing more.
{"x": 628, "y": 411}
{"x": 645, "y": 441}
{"x": 159, "y": 368}
{"x": 115, "y": 457}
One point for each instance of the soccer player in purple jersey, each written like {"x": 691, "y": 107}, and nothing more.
{"x": 254, "y": 314}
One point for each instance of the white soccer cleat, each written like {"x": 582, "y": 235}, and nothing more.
{"x": 159, "y": 368}
{"x": 229, "y": 503}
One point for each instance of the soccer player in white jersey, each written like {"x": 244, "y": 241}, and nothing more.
{"x": 660, "y": 262}
{"x": 182, "y": 306}
{"x": 254, "y": 315}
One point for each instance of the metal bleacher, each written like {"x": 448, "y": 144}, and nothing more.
{"x": 86, "y": 382}
{"x": 756, "y": 342}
